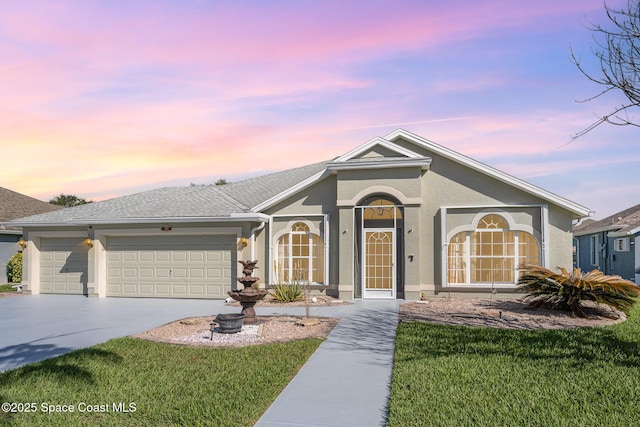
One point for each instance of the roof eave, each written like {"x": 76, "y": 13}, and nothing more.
{"x": 234, "y": 217}
{"x": 596, "y": 230}
{"x": 424, "y": 163}
{"x": 11, "y": 232}
{"x": 624, "y": 233}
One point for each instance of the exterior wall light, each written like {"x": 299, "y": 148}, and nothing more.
{"x": 88, "y": 242}
{"x": 22, "y": 243}
{"x": 244, "y": 241}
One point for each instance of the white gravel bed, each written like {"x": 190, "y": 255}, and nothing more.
{"x": 248, "y": 334}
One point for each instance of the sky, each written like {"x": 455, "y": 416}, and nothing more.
{"x": 107, "y": 98}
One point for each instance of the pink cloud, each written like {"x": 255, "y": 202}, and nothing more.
{"x": 132, "y": 94}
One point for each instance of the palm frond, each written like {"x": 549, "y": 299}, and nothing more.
{"x": 566, "y": 291}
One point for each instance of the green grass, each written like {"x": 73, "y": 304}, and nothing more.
{"x": 6, "y": 288}
{"x": 169, "y": 385}
{"x": 463, "y": 376}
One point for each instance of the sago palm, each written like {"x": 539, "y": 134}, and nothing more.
{"x": 566, "y": 291}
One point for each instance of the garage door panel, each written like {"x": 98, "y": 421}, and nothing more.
{"x": 213, "y": 290}
{"x": 130, "y": 273}
{"x": 146, "y": 289}
{"x": 63, "y": 265}
{"x": 147, "y": 257}
{"x": 179, "y": 289}
{"x": 214, "y": 273}
{"x": 129, "y": 289}
{"x": 163, "y": 289}
{"x": 216, "y": 257}
{"x": 182, "y": 266}
{"x": 163, "y": 273}
{"x": 180, "y": 256}
{"x": 196, "y": 290}
{"x": 130, "y": 257}
{"x": 196, "y": 273}
{"x": 197, "y": 256}
{"x": 114, "y": 257}
{"x": 180, "y": 273}
{"x": 114, "y": 273}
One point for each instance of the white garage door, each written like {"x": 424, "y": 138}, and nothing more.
{"x": 63, "y": 265}
{"x": 170, "y": 266}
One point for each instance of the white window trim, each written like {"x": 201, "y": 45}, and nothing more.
{"x": 621, "y": 244}
{"x": 594, "y": 252}
{"x": 304, "y": 218}
{"x": 487, "y": 210}
{"x": 468, "y": 257}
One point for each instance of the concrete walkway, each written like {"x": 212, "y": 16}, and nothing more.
{"x": 346, "y": 381}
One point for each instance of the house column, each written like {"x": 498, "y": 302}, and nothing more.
{"x": 346, "y": 265}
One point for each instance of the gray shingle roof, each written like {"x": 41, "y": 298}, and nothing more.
{"x": 252, "y": 192}
{"x": 197, "y": 201}
{"x": 625, "y": 220}
{"x": 15, "y": 205}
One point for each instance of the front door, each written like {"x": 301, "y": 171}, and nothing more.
{"x": 379, "y": 270}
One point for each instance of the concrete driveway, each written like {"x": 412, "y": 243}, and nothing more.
{"x": 36, "y": 327}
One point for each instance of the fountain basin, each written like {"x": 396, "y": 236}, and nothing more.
{"x": 228, "y": 323}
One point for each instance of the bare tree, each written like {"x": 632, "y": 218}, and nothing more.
{"x": 617, "y": 49}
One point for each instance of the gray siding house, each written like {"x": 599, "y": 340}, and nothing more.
{"x": 609, "y": 245}
{"x": 397, "y": 217}
{"x": 15, "y": 205}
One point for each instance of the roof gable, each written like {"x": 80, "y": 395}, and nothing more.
{"x": 578, "y": 210}
{"x": 377, "y": 147}
{"x": 379, "y": 153}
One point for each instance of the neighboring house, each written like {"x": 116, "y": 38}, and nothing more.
{"x": 394, "y": 218}
{"x": 609, "y": 245}
{"x": 15, "y": 205}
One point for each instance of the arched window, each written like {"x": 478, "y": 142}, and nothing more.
{"x": 300, "y": 256}
{"x": 490, "y": 254}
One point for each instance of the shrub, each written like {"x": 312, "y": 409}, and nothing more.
{"x": 14, "y": 268}
{"x": 566, "y": 291}
{"x": 287, "y": 292}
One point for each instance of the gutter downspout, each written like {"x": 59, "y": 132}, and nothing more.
{"x": 252, "y": 238}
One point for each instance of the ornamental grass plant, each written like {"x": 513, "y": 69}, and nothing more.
{"x": 567, "y": 291}
{"x": 288, "y": 292}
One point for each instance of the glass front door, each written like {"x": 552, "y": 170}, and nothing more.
{"x": 379, "y": 273}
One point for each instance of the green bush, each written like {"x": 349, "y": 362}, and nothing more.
{"x": 14, "y": 268}
{"x": 287, "y": 292}
{"x": 566, "y": 291}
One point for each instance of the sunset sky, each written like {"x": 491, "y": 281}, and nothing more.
{"x": 107, "y": 98}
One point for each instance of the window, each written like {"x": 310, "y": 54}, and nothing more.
{"x": 622, "y": 245}
{"x": 595, "y": 250}
{"x": 300, "y": 256}
{"x": 491, "y": 253}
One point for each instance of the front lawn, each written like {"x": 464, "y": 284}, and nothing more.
{"x": 128, "y": 381}
{"x": 6, "y": 288}
{"x": 464, "y": 376}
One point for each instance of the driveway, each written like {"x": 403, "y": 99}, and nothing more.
{"x": 36, "y": 327}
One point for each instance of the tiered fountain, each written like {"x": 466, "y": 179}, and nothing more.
{"x": 248, "y": 297}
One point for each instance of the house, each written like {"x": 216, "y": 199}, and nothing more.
{"x": 609, "y": 245}
{"x": 15, "y": 205}
{"x": 397, "y": 217}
